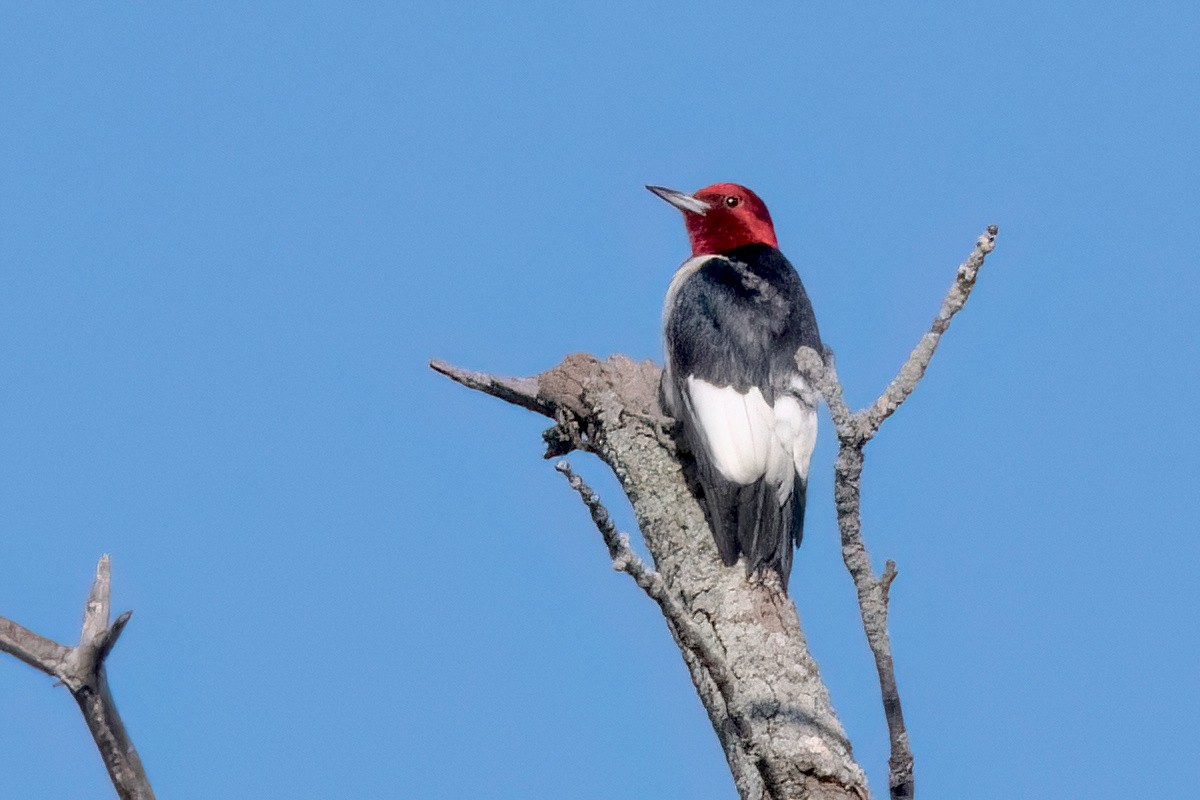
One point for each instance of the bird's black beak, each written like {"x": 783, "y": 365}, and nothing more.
{"x": 684, "y": 202}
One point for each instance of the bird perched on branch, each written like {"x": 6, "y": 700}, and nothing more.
{"x": 735, "y": 315}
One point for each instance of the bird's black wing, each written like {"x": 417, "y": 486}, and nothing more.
{"x": 730, "y": 323}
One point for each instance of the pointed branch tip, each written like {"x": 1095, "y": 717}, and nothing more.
{"x": 885, "y": 580}
{"x": 522, "y": 392}
{"x": 110, "y": 636}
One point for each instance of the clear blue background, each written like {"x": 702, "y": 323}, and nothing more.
{"x": 231, "y": 238}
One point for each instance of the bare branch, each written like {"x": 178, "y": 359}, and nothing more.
{"x": 854, "y": 430}
{"x": 81, "y": 670}
{"x": 611, "y": 409}
{"x": 885, "y": 580}
{"x": 518, "y": 391}
{"x": 741, "y": 640}
{"x": 95, "y": 611}
{"x": 822, "y": 374}
{"x": 873, "y": 607}
{"x": 108, "y": 639}
{"x": 625, "y": 560}
{"x": 914, "y": 368}
{"x": 36, "y": 651}
{"x": 686, "y": 632}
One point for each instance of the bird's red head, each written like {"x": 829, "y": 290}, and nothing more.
{"x": 721, "y": 217}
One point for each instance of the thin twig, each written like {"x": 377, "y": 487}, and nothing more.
{"x": 918, "y": 361}
{"x": 623, "y": 557}
{"x": 885, "y": 580}
{"x": 625, "y": 560}
{"x": 854, "y": 430}
{"x": 81, "y": 670}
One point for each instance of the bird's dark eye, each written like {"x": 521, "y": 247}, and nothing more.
{"x": 732, "y": 201}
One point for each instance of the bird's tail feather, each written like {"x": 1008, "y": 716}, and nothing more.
{"x": 799, "y": 502}
{"x": 750, "y": 521}
{"x": 764, "y": 529}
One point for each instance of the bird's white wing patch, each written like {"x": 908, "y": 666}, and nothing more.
{"x": 736, "y": 426}
{"x": 795, "y": 436}
{"x": 747, "y": 439}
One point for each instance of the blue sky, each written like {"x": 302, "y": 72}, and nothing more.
{"x": 231, "y": 237}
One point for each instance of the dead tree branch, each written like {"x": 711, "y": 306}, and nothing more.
{"x": 741, "y": 639}
{"x": 854, "y": 430}
{"x": 914, "y": 368}
{"x": 625, "y": 560}
{"x": 81, "y": 670}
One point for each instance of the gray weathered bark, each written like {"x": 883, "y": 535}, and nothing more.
{"x": 740, "y": 638}
{"x": 854, "y": 430}
{"x": 758, "y": 682}
{"x": 81, "y": 669}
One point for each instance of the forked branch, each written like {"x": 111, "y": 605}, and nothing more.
{"x": 741, "y": 638}
{"x": 81, "y": 670}
{"x": 854, "y": 430}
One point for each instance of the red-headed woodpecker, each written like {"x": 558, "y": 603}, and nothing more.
{"x": 734, "y": 316}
